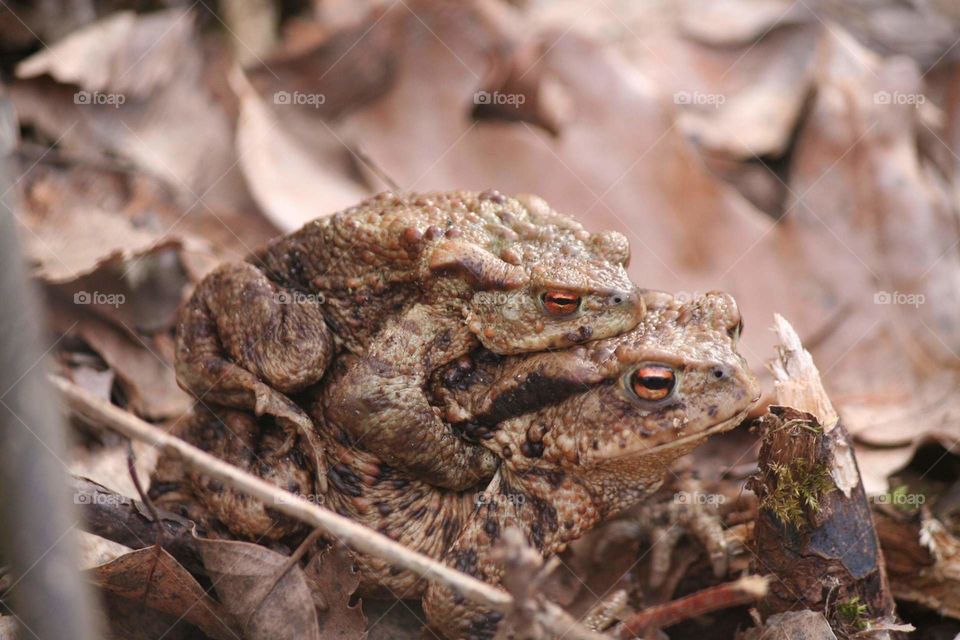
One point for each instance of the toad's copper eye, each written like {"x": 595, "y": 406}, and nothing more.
{"x": 560, "y": 303}
{"x": 653, "y": 381}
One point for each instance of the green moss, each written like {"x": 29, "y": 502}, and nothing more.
{"x": 853, "y": 614}
{"x": 799, "y": 488}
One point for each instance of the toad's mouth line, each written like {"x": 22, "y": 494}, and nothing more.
{"x": 725, "y": 425}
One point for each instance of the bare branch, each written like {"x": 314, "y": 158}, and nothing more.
{"x": 723, "y": 596}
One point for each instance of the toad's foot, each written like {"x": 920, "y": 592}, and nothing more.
{"x": 663, "y": 523}
{"x": 379, "y": 398}
{"x": 389, "y": 416}
{"x": 608, "y": 612}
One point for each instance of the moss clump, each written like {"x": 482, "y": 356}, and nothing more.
{"x": 853, "y": 614}
{"x": 799, "y": 487}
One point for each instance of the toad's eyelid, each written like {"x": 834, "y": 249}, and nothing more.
{"x": 561, "y": 297}
{"x": 562, "y": 287}
{"x": 636, "y": 357}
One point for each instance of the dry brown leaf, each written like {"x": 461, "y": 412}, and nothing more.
{"x": 926, "y": 31}
{"x": 241, "y": 572}
{"x": 330, "y": 574}
{"x": 743, "y": 101}
{"x": 103, "y": 263}
{"x": 619, "y": 162}
{"x": 319, "y": 57}
{"x": 98, "y": 383}
{"x": 132, "y": 85}
{"x": 738, "y": 71}
{"x": 142, "y": 364}
{"x": 124, "y": 52}
{"x": 870, "y": 221}
{"x": 738, "y": 22}
{"x": 94, "y": 550}
{"x": 73, "y": 244}
{"x": 54, "y": 183}
{"x": 147, "y": 379}
{"x": 290, "y": 185}
{"x": 109, "y": 466}
{"x": 154, "y": 579}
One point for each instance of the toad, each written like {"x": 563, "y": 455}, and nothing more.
{"x": 406, "y": 283}
{"x": 580, "y": 435}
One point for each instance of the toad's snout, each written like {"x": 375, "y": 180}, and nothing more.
{"x": 631, "y": 301}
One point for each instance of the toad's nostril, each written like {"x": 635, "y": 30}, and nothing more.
{"x": 632, "y": 300}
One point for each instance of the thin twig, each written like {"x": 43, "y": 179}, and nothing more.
{"x": 132, "y": 469}
{"x": 723, "y": 596}
{"x": 158, "y": 546}
{"x": 350, "y": 533}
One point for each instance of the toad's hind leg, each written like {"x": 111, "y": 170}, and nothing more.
{"x": 245, "y": 343}
{"x": 277, "y": 335}
{"x": 380, "y": 400}
{"x": 246, "y": 442}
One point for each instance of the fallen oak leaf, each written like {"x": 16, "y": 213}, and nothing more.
{"x": 332, "y": 578}
{"x": 153, "y": 576}
{"x": 239, "y": 571}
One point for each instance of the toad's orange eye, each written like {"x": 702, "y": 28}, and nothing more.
{"x": 560, "y": 303}
{"x": 653, "y": 382}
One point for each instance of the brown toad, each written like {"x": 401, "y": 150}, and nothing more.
{"x": 581, "y": 434}
{"x": 407, "y": 283}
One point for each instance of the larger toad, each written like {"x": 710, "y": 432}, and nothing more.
{"x": 406, "y": 283}
{"x": 616, "y": 414}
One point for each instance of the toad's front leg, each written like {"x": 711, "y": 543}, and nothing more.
{"x": 379, "y": 398}
{"x": 243, "y": 342}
